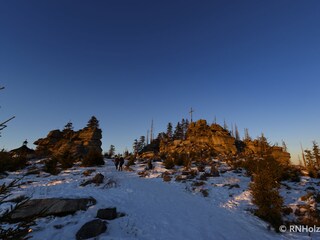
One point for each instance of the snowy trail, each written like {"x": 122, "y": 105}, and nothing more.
{"x": 155, "y": 210}
{"x": 166, "y": 211}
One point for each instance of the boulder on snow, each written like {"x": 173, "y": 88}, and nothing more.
{"x": 91, "y": 229}
{"x": 107, "y": 213}
{"x": 50, "y": 206}
{"x": 97, "y": 179}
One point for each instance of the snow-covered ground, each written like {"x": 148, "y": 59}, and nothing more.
{"x": 154, "y": 209}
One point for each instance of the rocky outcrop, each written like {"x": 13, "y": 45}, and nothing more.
{"x": 204, "y": 141}
{"x": 77, "y": 143}
{"x": 50, "y": 206}
{"x": 254, "y": 147}
{"x": 203, "y": 138}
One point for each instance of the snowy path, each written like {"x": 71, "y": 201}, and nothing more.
{"x": 161, "y": 210}
{"x": 155, "y": 210}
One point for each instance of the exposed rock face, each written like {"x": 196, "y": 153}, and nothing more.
{"x": 91, "y": 229}
{"x": 50, "y": 206}
{"x": 78, "y": 143}
{"x": 253, "y": 147}
{"x": 202, "y": 137}
{"x": 212, "y": 140}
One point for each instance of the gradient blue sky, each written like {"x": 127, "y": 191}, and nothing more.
{"x": 253, "y": 63}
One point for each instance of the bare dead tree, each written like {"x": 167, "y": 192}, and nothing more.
{"x": 3, "y": 124}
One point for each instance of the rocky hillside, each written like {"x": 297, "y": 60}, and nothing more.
{"x": 212, "y": 140}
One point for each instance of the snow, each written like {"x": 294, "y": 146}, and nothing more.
{"x": 154, "y": 209}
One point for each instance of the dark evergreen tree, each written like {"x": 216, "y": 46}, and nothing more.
{"x": 237, "y": 135}
{"x": 284, "y": 146}
{"x": 246, "y": 134}
{"x": 141, "y": 143}
{"x": 316, "y": 154}
{"x": 93, "y": 122}
{"x": 263, "y": 144}
{"x": 68, "y": 126}
{"x": 135, "y": 146}
{"x": 310, "y": 162}
{"x": 161, "y": 136}
{"x": 185, "y": 126}
{"x": 225, "y": 126}
{"x": 169, "y": 131}
{"x": 265, "y": 191}
{"x": 178, "y": 132}
{"x": 112, "y": 151}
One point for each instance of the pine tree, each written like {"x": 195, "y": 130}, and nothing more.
{"x": 178, "y": 132}
{"x": 112, "y": 151}
{"x": 141, "y": 143}
{"x": 263, "y": 144}
{"x": 68, "y": 126}
{"x": 265, "y": 191}
{"x": 237, "y": 132}
{"x": 225, "y": 126}
{"x": 93, "y": 122}
{"x": 246, "y": 134}
{"x": 232, "y": 131}
{"x": 169, "y": 131}
{"x": 135, "y": 146}
{"x": 309, "y": 159}
{"x": 284, "y": 146}
{"x": 316, "y": 154}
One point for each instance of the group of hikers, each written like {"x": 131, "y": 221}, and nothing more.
{"x": 118, "y": 162}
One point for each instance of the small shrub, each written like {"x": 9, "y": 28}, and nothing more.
{"x": 131, "y": 161}
{"x": 201, "y": 167}
{"x": 51, "y": 167}
{"x": 178, "y": 160}
{"x": 9, "y": 163}
{"x": 93, "y": 158}
{"x": 65, "y": 159}
{"x": 287, "y": 210}
{"x": 168, "y": 163}
{"x": 291, "y": 174}
{"x": 166, "y": 178}
{"x": 204, "y": 192}
{"x": 313, "y": 173}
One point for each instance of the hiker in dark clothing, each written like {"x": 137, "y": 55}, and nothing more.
{"x": 121, "y": 162}
{"x": 116, "y": 162}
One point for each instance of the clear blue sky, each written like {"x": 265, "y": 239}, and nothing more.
{"x": 253, "y": 63}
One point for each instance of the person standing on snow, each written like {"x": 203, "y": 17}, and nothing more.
{"x": 116, "y": 162}
{"x": 121, "y": 162}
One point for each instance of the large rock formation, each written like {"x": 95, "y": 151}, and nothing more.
{"x": 206, "y": 141}
{"x": 203, "y": 138}
{"x": 77, "y": 143}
